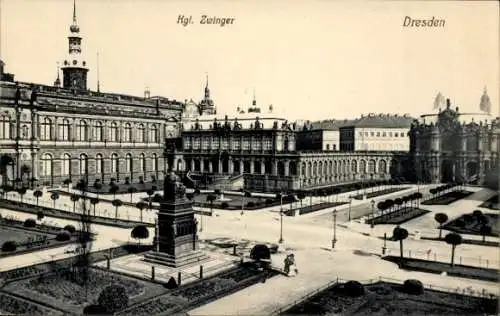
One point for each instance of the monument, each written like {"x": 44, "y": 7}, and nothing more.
{"x": 177, "y": 228}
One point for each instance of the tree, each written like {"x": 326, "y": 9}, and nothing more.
{"x": 454, "y": 240}
{"x": 381, "y": 207}
{"x": 38, "y": 194}
{"x": 398, "y": 202}
{"x": 63, "y": 236}
{"x": 94, "y": 201}
{"x": 301, "y": 195}
{"x": 441, "y": 218}
{"x": 485, "y": 230}
{"x": 74, "y": 198}
{"x": 113, "y": 298}
{"x": 9, "y": 246}
{"x": 260, "y": 252}
{"x": 210, "y": 199}
{"x": 22, "y": 191}
{"x": 400, "y": 234}
{"x": 140, "y": 232}
{"x": 116, "y": 203}
{"x": 141, "y": 206}
{"x": 54, "y": 197}
{"x": 40, "y": 215}
{"x": 150, "y": 194}
{"x": 418, "y": 197}
{"x": 113, "y": 189}
{"x": 67, "y": 182}
{"x": 97, "y": 186}
{"x": 29, "y": 223}
{"x": 433, "y": 191}
{"x": 131, "y": 190}
{"x": 70, "y": 228}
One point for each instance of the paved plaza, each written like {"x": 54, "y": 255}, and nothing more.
{"x": 356, "y": 255}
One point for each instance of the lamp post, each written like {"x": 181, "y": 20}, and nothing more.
{"x": 385, "y": 244}
{"x": 373, "y": 213}
{"x": 281, "y": 219}
{"x": 334, "y": 240}
{"x": 350, "y": 203}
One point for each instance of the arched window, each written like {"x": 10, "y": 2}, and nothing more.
{"x": 82, "y": 131}
{"x": 354, "y": 166}
{"x": 303, "y": 169}
{"x": 25, "y": 132}
{"x": 64, "y": 130}
{"x": 142, "y": 163}
{"x": 141, "y": 133}
{"x": 155, "y": 162}
{"x": 66, "y": 165}
{"x": 128, "y": 163}
{"x": 114, "y": 163}
{"x": 362, "y": 166}
{"x": 83, "y": 164}
{"x": 382, "y": 166}
{"x": 99, "y": 164}
{"x": 113, "y": 132}
{"x": 127, "y": 135}
{"x": 46, "y": 165}
{"x": 46, "y": 129}
{"x": 98, "y": 131}
{"x": 153, "y": 138}
{"x": 371, "y": 166}
{"x": 4, "y": 127}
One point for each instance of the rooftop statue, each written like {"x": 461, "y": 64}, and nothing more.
{"x": 173, "y": 188}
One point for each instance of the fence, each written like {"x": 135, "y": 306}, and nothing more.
{"x": 468, "y": 291}
{"x": 430, "y": 255}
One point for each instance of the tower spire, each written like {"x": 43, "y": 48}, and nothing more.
{"x": 57, "y": 83}
{"x": 98, "y": 82}
{"x": 207, "y": 90}
{"x": 254, "y": 100}
{"x": 74, "y": 11}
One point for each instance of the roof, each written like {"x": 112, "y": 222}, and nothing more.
{"x": 371, "y": 120}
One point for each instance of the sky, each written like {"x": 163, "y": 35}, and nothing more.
{"x": 309, "y": 59}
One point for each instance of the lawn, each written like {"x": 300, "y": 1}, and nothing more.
{"x": 384, "y": 298}
{"x": 314, "y": 208}
{"x": 370, "y": 195}
{"x": 399, "y": 216}
{"x": 491, "y": 203}
{"x": 250, "y": 203}
{"x": 123, "y": 188}
{"x": 447, "y": 198}
{"x": 469, "y": 224}
{"x": 488, "y": 243}
{"x": 458, "y": 270}
{"x": 62, "y": 289}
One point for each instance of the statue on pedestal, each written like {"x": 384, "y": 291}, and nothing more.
{"x": 173, "y": 188}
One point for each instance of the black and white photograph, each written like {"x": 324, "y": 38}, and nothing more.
{"x": 323, "y": 157}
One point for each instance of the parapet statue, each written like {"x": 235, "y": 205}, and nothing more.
{"x": 173, "y": 188}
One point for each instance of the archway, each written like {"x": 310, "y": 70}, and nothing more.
{"x": 447, "y": 171}
{"x": 7, "y": 170}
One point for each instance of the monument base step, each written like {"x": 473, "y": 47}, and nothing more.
{"x": 185, "y": 259}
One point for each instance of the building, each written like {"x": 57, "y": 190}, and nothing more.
{"x": 271, "y": 154}
{"x": 454, "y": 146}
{"x": 66, "y": 131}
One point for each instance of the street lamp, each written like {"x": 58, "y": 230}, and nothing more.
{"x": 334, "y": 240}
{"x": 373, "y": 213}
{"x": 281, "y": 218}
{"x": 350, "y": 203}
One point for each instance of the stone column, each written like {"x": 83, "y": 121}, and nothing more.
{"x": 262, "y": 167}
{"x": 287, "y": 168}
{"x": 242, "y": 166}
{"x": 202, "y": 165}
{"x": 192, "y": 164}
{"x": 275, "y": 168}
{"x": 252, "y": 162}
{"x": 230, "y": 166}
{"x": 210, "y": 167}
{"x": 220, "y": 166}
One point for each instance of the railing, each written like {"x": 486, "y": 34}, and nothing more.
{"x": 462, "y": 291}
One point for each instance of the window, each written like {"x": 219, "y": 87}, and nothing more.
{"x": 127, "y": 136}
{"x": 205, "y": 143}
{"x": 246, "y": 143}
{"x": 334, "y": 147}
{"x": 214, "y": 143}
{"x": 25, "y": 132}
{"x": 153, "y": 137}
{"x": 141, "y": 133}
{"x": 83, "y": 164}
{"x": 327, "y": 146}
{"x": 196, "y": 143}
{"x": 82, "y": 130}
{"x": 268, "y": 144}
{"x": 402, "y": 134}
{"x": 236, "y": 143}
{"x": 114, "y": 163}
{"x": 64, "y": 130}
{"x": 187, "y": 142}
{"x": 142, "y": 163}
{"x": 225, "y": 143}
{"x": 372, "y": 134}
{"x": 256, "y": 144}
{"x": 4, "y": 127}
{"x": 378, "y": 134}
{"x": 390, "y": 134}
{"x": 371, "y": 166}
{"x": 113, "y": 132}
{"x": 154, "y": 159}
{"x": 46, "y": 165}
{"x": 128, "y": 163}
{"x": 98, "y": 131}
{"x": 46, "y": 129}
{"x": 99, "y": 164}
{"x": 383, "y": 134}
{"x": 66, "y": 165}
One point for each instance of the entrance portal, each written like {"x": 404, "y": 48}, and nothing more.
{"x": 447, "y": 171}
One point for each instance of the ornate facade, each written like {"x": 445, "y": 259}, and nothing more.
{"x": 54, "y": 133}
{"x": 454, "y": 146}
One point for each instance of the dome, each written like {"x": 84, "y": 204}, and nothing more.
{"x": 74, "y": 28}
{"x": 485, "y": 103}
{"x": 439, "y": 102}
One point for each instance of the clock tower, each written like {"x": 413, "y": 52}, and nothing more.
{"x": 74, "y": 66}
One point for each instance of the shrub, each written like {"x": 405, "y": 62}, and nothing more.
{"x": 468, "y": 218}
{"x": 354, "y": 289}
{"x": 224, "y": 205}
{"x": 477, "y": 213}
{"x": 94, "y": 310}
{"x": 414, "y": 287}
{"x": 63, "y": 236}
{"x": 269, "y": 201}
{"x": 250, "y": 204}
{"x": 158, "y": 198}
{"x": 30, "y": 223}
{"x": 70, "y": 228}
{"x": 460, "y": 223}
{"x": 40, "y": 215}
{"x": 9, "y": 246}
{"x": 113, "y": 298}
{"x": 260, "y": 252}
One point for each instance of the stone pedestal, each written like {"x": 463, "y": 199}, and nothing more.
{"x": 177, "y": 229}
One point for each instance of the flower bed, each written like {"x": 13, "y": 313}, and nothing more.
{"x": 469, "y": 224}
{"x": 492, "y": 203}
{"x": 370, "y": 195}
{"x": 399, "y": 216}
{"x": 13, "y": 305}
{"x": 487, "y": 243}
{"x": 447, "y": 198}
{"x": 313, "y": 208}
{"x": 383, "y": 298}
{"x": 439, "y": 267}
